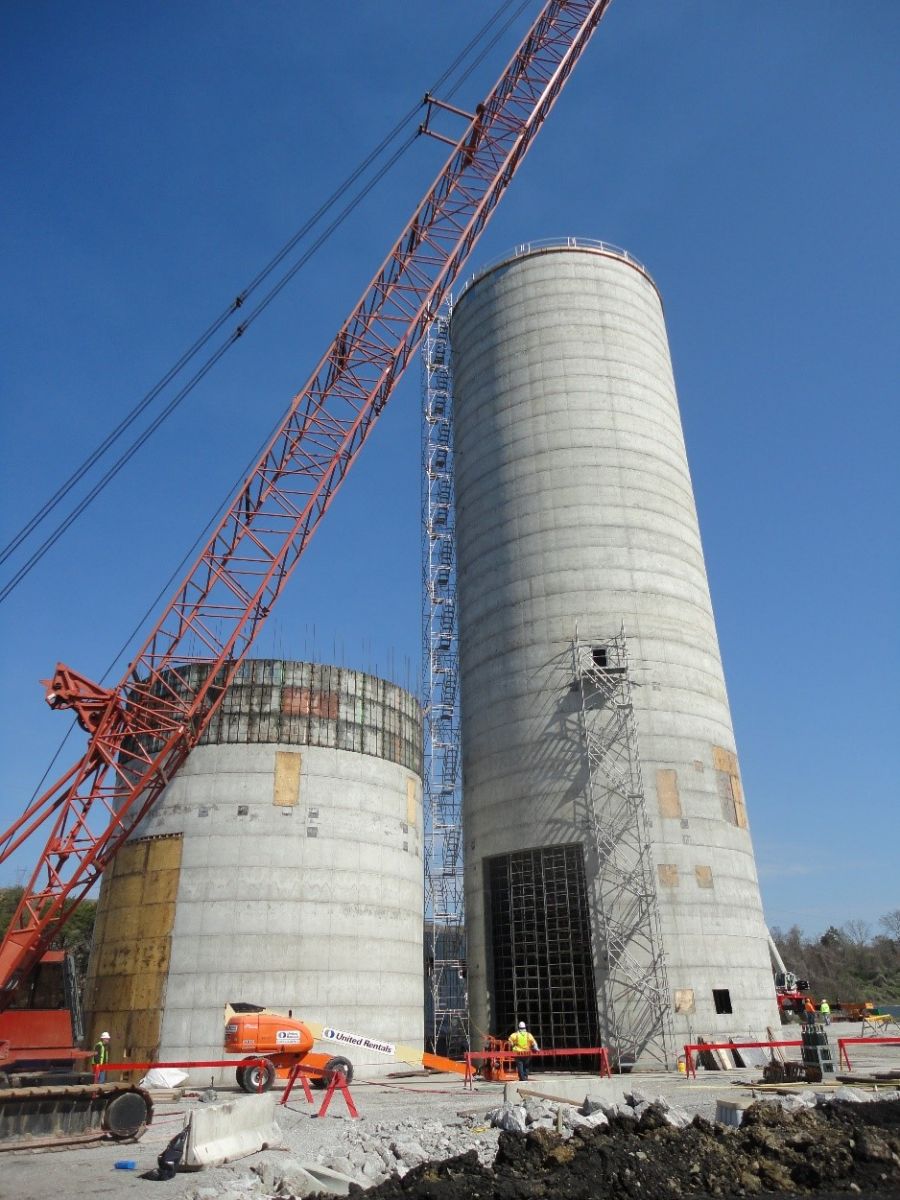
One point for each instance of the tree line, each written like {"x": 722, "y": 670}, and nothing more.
{"x": 850, "y": 963}
{"x": 76, "y": 934}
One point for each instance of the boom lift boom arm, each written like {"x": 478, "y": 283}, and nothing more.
{"x": 143, "y": 729}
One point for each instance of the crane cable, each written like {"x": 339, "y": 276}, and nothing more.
{"x": 201, "y": 341}
{"x": 204, "y": 339}
{"x": 201, "y": 372}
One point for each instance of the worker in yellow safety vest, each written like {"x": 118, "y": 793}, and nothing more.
{"x": 101, "y": 1055}
{"x": 825, "y": 1012}
{"x": 522, "y": 1043}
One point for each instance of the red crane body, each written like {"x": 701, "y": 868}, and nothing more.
{"x": 142, "y": 730}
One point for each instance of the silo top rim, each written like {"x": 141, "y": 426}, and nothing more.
{"x": 554, "y": 245}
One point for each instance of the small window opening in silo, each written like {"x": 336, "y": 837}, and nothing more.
{"x": 600, "y": 655}
{"x": 541, "y": 962}
{"x": 722, "y": 1000}
{"x": 243, "y": 810}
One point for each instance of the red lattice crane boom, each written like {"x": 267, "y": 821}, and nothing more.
{"x": 142, "y": 730}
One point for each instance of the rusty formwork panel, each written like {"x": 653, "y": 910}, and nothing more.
{"x": 125, "y": 986}
{"x": 316, "y": 704}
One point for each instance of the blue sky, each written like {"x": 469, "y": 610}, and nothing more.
{"x": 158, "y": 154}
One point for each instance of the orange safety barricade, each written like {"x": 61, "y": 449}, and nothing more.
{"x": 336, "y": 1081}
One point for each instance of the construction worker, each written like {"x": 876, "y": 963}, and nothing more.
{"x": 809, "y": 1010}
{"x": 522, "y": 1043}
{"x": 825, "y": 1011}
{"x": 101, "y": 1055}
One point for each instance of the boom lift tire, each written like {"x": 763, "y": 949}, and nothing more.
{"x": 256, "y": 1078}
{"x": 342, "y": 1066}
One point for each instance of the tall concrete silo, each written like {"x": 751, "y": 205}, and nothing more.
{"x": 281, "y": 867}
{"x": 576, "y": 519}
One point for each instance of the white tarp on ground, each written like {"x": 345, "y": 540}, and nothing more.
{"x": 219, "y": 1133}
{"x": 163, "y": 1077}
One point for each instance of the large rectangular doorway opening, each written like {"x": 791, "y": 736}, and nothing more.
{"x": 541, "y": 960}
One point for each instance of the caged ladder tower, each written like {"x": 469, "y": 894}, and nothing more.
{"x": 448, "y": 1017}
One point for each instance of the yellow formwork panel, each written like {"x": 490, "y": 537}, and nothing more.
{"x": 129, "y": 965}
{"x": 288, "y": 765}
{"x": 725, "y": 760}
{"x": 667, "y": 793}
{"x": 124, "y": 924}
{"x": 166, "y": 854}
{"x": 127, "y": 891}
{"x": 142, "y": 1031}
{"x": 161, "y": 885}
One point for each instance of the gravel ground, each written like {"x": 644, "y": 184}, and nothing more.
{"x": 405, "y": 1122}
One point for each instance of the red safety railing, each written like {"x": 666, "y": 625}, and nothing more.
{"x": 505, "y": 1056}
{"x": 697, "y": 1048}
{"x": 146, "y": 1066}
{"x": 102, "y": 1068}
{"x": 844, "y": 1057}
{"x": 337, "y": 1080}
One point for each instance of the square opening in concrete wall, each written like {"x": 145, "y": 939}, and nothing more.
{"x": 722, "y": 1000}
{"x": 539, "y": 936}
{"x": 600, "y": 655}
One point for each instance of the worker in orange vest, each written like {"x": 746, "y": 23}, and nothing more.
{"x": 809, "y": 1010}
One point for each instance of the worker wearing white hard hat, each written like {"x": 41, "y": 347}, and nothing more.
{"x": 101, "y": 1054}
{"x": 522, "y": 1043}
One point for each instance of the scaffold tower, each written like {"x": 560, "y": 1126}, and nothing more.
{"x": 633, "y": 989}
{"x": 447, "y": 1025}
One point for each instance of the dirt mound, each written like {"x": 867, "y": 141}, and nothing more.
{"x": 837, "y": 1148}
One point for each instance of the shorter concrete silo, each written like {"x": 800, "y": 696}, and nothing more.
{"x": 282, "y": 867}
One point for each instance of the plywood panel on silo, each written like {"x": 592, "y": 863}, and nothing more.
{"x": 128, "y": 969}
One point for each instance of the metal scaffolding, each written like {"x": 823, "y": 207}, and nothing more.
{"x": 540, "y": 927}
{"x": 448, "y": 1019}
{"x": 635, "y": 1005}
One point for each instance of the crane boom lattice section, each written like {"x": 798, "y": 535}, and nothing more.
{"x": 447, "y": 1010}
{"x": 158, "y": 711}
{"x": 634, "y": 1000}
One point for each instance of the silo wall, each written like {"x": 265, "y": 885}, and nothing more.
{"x": 575, "y": 511}
{"x": 281, "y": 867}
